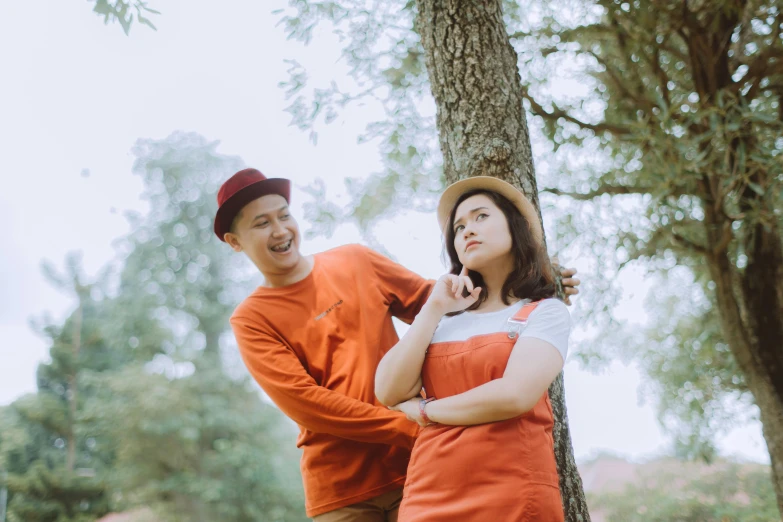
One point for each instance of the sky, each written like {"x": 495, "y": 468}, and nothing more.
{"x": 76, "y": 94}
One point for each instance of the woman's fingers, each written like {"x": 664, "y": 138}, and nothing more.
{"x": 460, "y": 286}
{"x": 465, "y": 282}
{"x": 457, "y": 284}
{"x": 451, "y": 281}
{"x": 468, "y": 284}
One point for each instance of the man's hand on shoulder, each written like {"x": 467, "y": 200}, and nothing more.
{"x": 568, "y": 280}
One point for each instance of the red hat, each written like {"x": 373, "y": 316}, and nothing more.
{"x": 242, "y": 188}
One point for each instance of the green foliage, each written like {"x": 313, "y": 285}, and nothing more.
{"x": 175, "y": 272}
{"x": 727, "y": 493}
{"x": 701, "y": 392}
{"x": 677, "y": 135}
{"x": 183, "y": 429}
{"x": 386, "y": 60}
{"x": 647, "y": 132}
{"x": 163, "y": 418}
{"x": 198, "y": 447}
{"x": 41, "y": 429}
{"x": 122, "y": 12}
{"x": 45, "y": 495}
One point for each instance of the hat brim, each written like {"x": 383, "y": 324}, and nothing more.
{"x": 454, "y": 191}
{"x": 233, "y": 205}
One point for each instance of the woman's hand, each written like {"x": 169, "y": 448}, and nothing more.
{"x": 447, "y": 295}
{"x": 411, "y": 410}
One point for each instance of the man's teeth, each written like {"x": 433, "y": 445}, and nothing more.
{"x": 284, "y": 247}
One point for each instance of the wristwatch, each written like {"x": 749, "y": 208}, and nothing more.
{"x": 423, "y": 411}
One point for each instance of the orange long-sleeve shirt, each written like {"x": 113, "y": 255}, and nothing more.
{"x": 314, "y": 347}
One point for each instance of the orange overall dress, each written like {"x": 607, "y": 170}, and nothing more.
{"x": 501, "y": 471}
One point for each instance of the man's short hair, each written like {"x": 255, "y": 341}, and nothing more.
{"x": 233, "y": 227}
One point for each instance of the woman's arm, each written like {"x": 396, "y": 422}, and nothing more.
{"x": 532, "y": 367}
{"x": 398, "y": 377}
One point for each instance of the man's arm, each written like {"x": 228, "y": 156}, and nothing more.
{"x": 406, "y": 291}
{"x": 281, "y": 375}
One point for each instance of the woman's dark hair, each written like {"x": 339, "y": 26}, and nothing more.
{"x": 531, "y": 277}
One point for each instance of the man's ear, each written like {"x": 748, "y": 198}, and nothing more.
{"x": 233, "y": 241}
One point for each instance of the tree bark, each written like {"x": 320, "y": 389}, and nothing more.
{"x": 750, "y": 306}
{"x": 762, "y": 290}
{"x": 750, "y": 302}
{"x": 483, "y": 132}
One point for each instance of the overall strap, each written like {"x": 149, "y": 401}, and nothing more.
{"x": 518, "y": 321}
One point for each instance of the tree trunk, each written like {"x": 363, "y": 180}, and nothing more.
{"x": 762, "y": 289}
{"x": 751, "y": 315}
{"x": 73, "y": 387}
{"x": 750, "y": 302}
{"x": 483, "y": 132}
{"x": 750, "y": 305}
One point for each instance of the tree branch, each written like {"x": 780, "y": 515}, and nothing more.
{"x": 688, "y": 244}
{"x": 761, "y": 67}
{"x": 690, "y": 21}
{"x": 612, "y": 190}
{"x": 663, "y": 80}
{"x": 725, "y": 239}
{"x": 612, "y": 72}
{"x": 557, "y": 113}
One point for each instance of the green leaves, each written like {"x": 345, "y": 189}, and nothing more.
{"x": 668, "y": 489}
{"x": 163, "y": 415}
{"x": 637, "y": 95}
{"x": 121, "y": 11}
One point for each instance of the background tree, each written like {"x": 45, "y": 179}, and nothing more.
{"x": 483, "y": 132}
{"x": 173, "y": 268}
{"x": 687, "y": 109}
{"x": 200, "y": 447}
{"x": 480, "y": 123}
{"x": 667, "y": 489}
{"x": 193, "y": 436}
{"x": 164, "y": 415}
{"x": 55, "y": 460}
{"x": 124, "y": 12}
{"x": 670, "y": 135}
{"x": 673, "y": 139}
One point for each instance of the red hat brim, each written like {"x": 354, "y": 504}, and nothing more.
{"x": 231, "y": 207}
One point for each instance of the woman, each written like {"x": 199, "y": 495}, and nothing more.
{"x": 485, "y": 348}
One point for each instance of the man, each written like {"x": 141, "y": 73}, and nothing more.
{"x": 312, "y": 337}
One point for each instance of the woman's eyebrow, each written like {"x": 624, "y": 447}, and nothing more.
{"x": 471, "y": 212}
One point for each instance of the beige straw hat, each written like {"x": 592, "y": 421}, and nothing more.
{"x": 454, "y": 191}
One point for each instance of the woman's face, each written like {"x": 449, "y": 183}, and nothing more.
{"x": 481, "y": 234}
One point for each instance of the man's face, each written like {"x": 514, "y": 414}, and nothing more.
{"x": 268, "y": 234}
